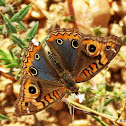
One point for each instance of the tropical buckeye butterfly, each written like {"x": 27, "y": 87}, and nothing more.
{"x": 67, "y": 58}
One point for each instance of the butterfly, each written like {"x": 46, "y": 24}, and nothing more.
{"x": 67, "y": 58}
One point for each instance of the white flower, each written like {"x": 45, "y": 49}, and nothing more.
{"x": 35, "y": 42}
{"x": 15, "y": 69}
{"x": 81, "y": 97}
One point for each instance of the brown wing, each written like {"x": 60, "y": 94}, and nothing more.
{"x": 37, "y": 94}
{"x": 63, "y": 44}
{"x": 94, "y": 53}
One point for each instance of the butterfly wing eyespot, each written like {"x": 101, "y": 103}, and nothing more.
{"x": 59, "y": 41}
{"x": 108, "y": 47}
{"x": 68, "y": 50}
{"x": 34, "y": 55}
{"x": 33, "y": 71}
{"x": 32, "y": 89}
{"x": 97, "y": 59}
{"x": 91, "y": 48}
{"x": 74, "y": 43}
{"x": 37, "y": 94}
{"x": 37, "y": 56}
{"x": 26, "y": 104}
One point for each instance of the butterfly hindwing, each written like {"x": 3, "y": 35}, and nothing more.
{"x": 94, "y": 54}
{"x": 37, "y": 94}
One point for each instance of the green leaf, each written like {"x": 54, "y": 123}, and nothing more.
{"x": 18, "y": 41}
{"x": 16, "y": 76}
{"x": 19, "y": 26}
{"x": 124, "y": 40}
{"x": 97, "y": 31}
{"x": 32, "y": 33}
{"x": 5, "y": 60}
{"x": 108, "y": 101}
{"x": 100, "y": 121}
{"x": 108, "y": 112}
{"x": 22, "y": 26}
{"x": 2, "y": 2}
{"x": 15, "y": 50}
{"x": 11, "y": 65}
{"x": 43, "y": 42}
{"x": 10, "y": 28}
{"x": 3, "y": 63}
{"x": 4, "y": 54}
{"x": 69, "y": 19}
{"x": 2, "y": 117}
{"x": 123, "y": 95}
{"x": 1, "y": 28}
{"x": 20, "y": 15}
{"x": 11, "y": 54}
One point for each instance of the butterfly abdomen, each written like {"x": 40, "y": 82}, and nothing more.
{"x": 69, "y": 81}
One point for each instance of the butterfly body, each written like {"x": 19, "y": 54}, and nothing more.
{"x": 64, "y": 75}
{"x": 68, "y": 57}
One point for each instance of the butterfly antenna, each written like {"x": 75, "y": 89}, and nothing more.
{"x": 73, "y": 109}
{"x": 84, "y": 111}
{"x": 73, "y": 115}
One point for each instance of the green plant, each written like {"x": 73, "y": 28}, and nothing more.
{"x": 2, "y": 117}
{"x": 10, "y": 27}
{"x": 97, "y": 31}
{"x": 13, "y": 24}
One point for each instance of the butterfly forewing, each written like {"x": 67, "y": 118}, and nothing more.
{"x": 64, "y": 44}
{"x": 34, "y": 62}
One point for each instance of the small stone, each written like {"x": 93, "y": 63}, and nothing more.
{"x": 58, "y": 106}
{"x": 116, "y": 29}
{"x": 64, "y": 118}
{"x": 123, "y": 74}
